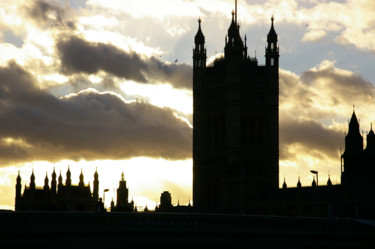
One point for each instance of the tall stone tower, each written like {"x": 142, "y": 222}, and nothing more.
{"x": 236, "y": 126}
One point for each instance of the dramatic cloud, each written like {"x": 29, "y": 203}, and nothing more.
{"x": 80, "y": 56}
{"x": 315, "y": 106}
{"x": 35, "y": 125}
{"x": 50, "y": 14}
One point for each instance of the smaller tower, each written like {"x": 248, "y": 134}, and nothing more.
{"x": 81, "y": 182}
{"x": 60, "y": 186}
{"x": 284, "y": 184}
{"x": 18, "y": 186}
{"x": 46, "y": 180}
{"x": 329, "y": 183}
{"x": 272, "y": 49}
{"x": 313, "y": 184}
{"x": 199, "y": 52}
{"x": 53, "y": 183}
{"x": 96, "y": 185}
{"x": 32, "y": 180}
{"x": 299, "y": 185}
{"x": 68, "y": 181}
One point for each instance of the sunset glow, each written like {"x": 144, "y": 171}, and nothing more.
{"x": 107, "y": 85}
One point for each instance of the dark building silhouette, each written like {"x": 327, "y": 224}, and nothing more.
{"x": 236, "y": 140}
{"x": 236, "y": 128}
{"x": 354, "y": 197}
{"x": 58, "y": 197}
{"x": 166, "y": 205}
{"x": 122, "y": 201}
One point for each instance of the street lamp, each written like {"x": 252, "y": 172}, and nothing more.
{"x": 315, "y": 173}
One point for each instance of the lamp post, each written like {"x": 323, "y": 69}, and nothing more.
{"x": 315, "y": 173}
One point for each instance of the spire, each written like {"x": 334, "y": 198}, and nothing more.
{"x": 313, "y": 182}
{"x": 18, "y": 186}
{"x": 68, "y": 181}
{"x": 299, "y": 185}
{"x": 284, "y": 184}
{"x": 46, "y": 187}
{"x": 60, "y": 179}
{"x": 329, "y": 183}
{"x": 272, "y": 36}
{"x": 96, "y": 175}
{"x": 199, "y": 37}
{"x": 81, "y": 182}
{"x": 18, "y": 177}
{"x": 32, "y": 180}
{"x": 54, "y": 174}
{"x": 122, "y": 176}
{"x": 370, "y": 140}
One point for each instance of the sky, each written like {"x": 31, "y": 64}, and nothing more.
{"x": 107, "y": 86}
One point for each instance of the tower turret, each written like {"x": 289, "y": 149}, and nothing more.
{"x": 354, "y": 139}
{"x": 81, "y": 182}
{"x": 370, "y": 147}
{"x": 199, "y": 52}
{"x": 96, "y": 185}
{"x": 18, "y": 185}
{"x": 60, "y": 186}
{"x": 272, "y": 49}
{"x": 46, "y": 185}
{"x": 32, "y": 180}
{"x": 299, "y": 185}
{"x": 68, "y": 181}
{"x": 234, "y": 47}
{"x": 53, "y": 182}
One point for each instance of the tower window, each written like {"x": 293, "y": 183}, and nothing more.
{"x": 272, "y": 61}
{"x": 272, "y": 45}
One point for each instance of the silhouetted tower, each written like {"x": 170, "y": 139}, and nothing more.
{"x": 96, "y": 185}
{"x": 53, "y": 183}
{"x": 46, "y": 183}
{"x": 122, "y": 195}
{"x": 68, "y": 181}
{"x": 18, "y": 187}
{"x": 272, "y": 49}
{"x": 235, "y": 134}
{"x": 199, "y": 52}
{"x": 32, "y": 180}
{"x": 81, "y": 183}
{"x": 352, "y": 158}
{"x": 60, "y": 186}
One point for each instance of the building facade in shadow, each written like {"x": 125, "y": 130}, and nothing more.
{"x": 58, "y": 196}
{"x": 236, "y": 141}
{"x": 236, "y": 125}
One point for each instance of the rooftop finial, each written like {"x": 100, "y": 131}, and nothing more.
{"x": 272, "y": 18}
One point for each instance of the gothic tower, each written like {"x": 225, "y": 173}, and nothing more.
{"x": 235, "y": 118}
{"x": 96, "y": 185}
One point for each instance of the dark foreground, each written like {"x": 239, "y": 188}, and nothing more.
{"x": 158, "y": 230}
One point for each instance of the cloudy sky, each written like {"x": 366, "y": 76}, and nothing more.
{"x": 107, "y": 85}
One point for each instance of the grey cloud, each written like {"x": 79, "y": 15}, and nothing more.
{"x": 89, "y": 125}
{"x": 50, "y": 14}
{"x": 311, "y": 135}
{"x": 80, "y": 56}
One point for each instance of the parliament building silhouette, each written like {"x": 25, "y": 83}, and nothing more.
{"x": 236, "y": 149}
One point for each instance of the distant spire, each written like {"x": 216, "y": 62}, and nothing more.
{"x": 122, "y": 176}
{"x": 329, "y": 183}
{"x": 299, "y": 183}
{"x": 284, "y": 184}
